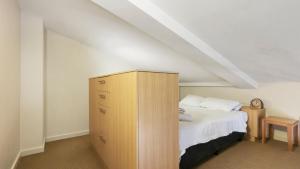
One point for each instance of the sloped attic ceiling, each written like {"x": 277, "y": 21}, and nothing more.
{"x": 259, "y": 36}
{"x": 84, "y": 21}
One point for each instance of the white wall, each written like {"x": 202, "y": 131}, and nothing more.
{"x": 69, "y": 66}
{"x": 9, "y": 82}
{"x": 32, "y": 84}
{"x": 281, "y": 99}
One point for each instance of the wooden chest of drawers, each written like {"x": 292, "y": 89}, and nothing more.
{"x": 134, "y": 120}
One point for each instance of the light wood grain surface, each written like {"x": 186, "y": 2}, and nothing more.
{"x": 134, "y": 120}
{"x": 124, "y": 103}
{"x": 254, "y": 122}
{"x": 291, "y": 125}
{"x": 158, "y": 121}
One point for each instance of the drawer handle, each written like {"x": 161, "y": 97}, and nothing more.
{"x": 102, "y": 139}
{"x": 101, "y": 81}
{"x": 102, "y": 96}
{"x": 102, "y": 110}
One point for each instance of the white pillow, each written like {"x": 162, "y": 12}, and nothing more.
{"x": 237, "y": 108}
{"x": 191, "y": 100}
{"x": 219, "y": 104}
{"x": 181, "y": 110}
{"x": 185, "y": 117}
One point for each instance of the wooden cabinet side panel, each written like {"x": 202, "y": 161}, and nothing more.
{"x": 124, "y": 107}
{"x": 92, "y": 124}
{"x": 158, "y": 121}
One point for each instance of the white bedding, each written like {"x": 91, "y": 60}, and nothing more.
{"x": 208, "y": 125}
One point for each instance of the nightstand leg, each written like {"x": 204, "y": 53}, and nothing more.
{"x": 263, "y": 132}
{"x": 271, "y": 132}
{"x": 296, "y": 135}
{"x": 290, "y": 138}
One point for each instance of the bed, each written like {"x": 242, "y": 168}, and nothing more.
{"x": 210, "y": 131}
{"x": 198, "y": 154}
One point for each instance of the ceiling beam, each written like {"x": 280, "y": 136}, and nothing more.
{"x": 152, "y": 20}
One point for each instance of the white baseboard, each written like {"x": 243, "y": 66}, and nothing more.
{"x": 67, "y": 135}
{"x": 14, "y": 166}
{"x": 33, "y": 150}
{"x": 40, "y": 149}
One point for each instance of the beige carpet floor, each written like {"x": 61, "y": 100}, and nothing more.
{"x": 77, "y": 153}
{"x": 248, "y": 155}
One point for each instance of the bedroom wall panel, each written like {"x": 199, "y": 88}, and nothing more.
{"x": 9, "y": 83}
{"x": 32, "y": 84}
{"x": 281, "y": 99}
{"x": 69, "y": 64}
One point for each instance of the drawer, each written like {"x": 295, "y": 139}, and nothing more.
{"x": 103, "y": 128}
{"x": 102, "y": 98}
{"x": 102, "y": 141}
{"x": 103, "y": 137}
{"x": 103, "y": 149}
{"x": 102, "y": 110}
{"x": 102, "y": 84}
{"x": 103, "y": 118}
{"x": 99, "y": 146}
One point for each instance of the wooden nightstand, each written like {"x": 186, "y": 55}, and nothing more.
{"x": 254, "y": 122}
{"x": 291, "y": 125}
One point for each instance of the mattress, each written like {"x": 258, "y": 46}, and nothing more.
{"x": 208, "y": 125}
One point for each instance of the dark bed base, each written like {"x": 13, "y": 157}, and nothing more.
{"x": 199, "y": 153}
